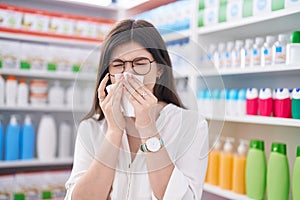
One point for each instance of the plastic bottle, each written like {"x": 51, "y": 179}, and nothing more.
{"x": 27, "y": 139}
{"x": 56, "y": 95}
{"x": 214, "y": 164}
{"x": 12, "y": 138}
{"x": 228, "y": 54}
{"x": 256, "y": 170}
{"x": 239, "y": 169}
{"x": 2, "y": 90}
{"x": 266, "y": 53}
{"x": 241, "y": 103}
{"x": 226, "y": 165}
{"x": 265, "y": 102}
{"x": 252, "y": 101}
{"x": 296, "y": 103}
{"x": 46, "y": 138}
{"x": 1, "y": 140}
{"x": 236, "y": 53}
{"x": 232, "y": 102}
{"x": 279, "y": 49}
{"x": 296, "y": 176}
{"x": 23, "y": 93}
{"x": 246, "y": 53}
{"x": 283, "y": 103}
{"x": 64, "y": 141}
{"x": 256, "y": 52}
{"x": 11, "y": 90}
{"x": 278, "y": 176}
{"x": 293, "y": 49}
{"x": 211, "y": 52}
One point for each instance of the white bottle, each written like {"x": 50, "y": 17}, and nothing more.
{"x": 218, "y": 56}
{"x": 246, "y": 53}
{"x": 46, "y": 138}
{"x": 56, "y": 95}
{"x": 23, "y": 93}
{"x": 279, "y": 49}
{"x": 266, "y": 53}
{"x": 11, "y": 91}
{"x": 211, "y": 52}
{"x": 2, "y": 90}
{"x": 64, "y": 141}
{"x": 228, "y": 57}
{"x": 256, "y": 51}
{"x": 236, "y": 53}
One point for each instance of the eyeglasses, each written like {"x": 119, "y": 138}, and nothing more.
{"x": 140, "y": 66}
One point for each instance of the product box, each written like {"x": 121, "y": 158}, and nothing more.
{"x": 247, "y": 8}
{"x": 208, "y": 3}
{"x": 210, "y": 16}
{"x": 223, "y": 12}
{"x": 291, "y": 3}
{"x": 61, "y": 26}
{"x": 10, "y": 18}
{"x": 277, "y": 4}
{"x": 34, "y": 22}
{"x": 85, "y": 29}
{"x": 234, "y": 10}
{"x": 201, "y": 18}
{"x": 261, "y": 7}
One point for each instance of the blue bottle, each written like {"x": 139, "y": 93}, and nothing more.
{"x": 1, "y": 141}
{"x": 12, "y": 138}
{"x": 27, "y": 139}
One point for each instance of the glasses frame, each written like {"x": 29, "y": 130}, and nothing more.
{"x": 132, "y": 66}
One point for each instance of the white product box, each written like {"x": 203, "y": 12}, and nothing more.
{"x": 35, "y": 22}
{"x": 10, "y": 19}
{"x": 61, "y": 26}
{"x": 234, "y": 10}
{"x": 262, "y": 7}
{"x": 210, "y": 16}
{"x": 291, "y": 3}
{"x": 211, "y": 3}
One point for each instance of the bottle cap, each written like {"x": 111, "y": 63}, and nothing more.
{"x": 22, "y": 80}
{"x": 228, "y": 147}
{"x": 298, "y": 151}
{"x": 265, "y": 93}
{"x": 13, "y": 78}
{"x": 248, "y": 43}
{"x": 242, "y": 94}
{"x": 221, "y": 46}
{"x": 259, "y": 40}
{"x": 230, "y": 45}
{"x": 27, "y": 120}
{"x": 238, "y": 44}
{"x": 295, "y": 37}
{"x": 279, "y": 148}
{"x": 283, "y": 37}
{"x": 270, "y": 39}
{"x": 296, "y": 93}
{"x": 13, "y": 120}
{"x": 242, "y": 148}
{"x": 19, "y": 196}
{"x": 257, "y": 144}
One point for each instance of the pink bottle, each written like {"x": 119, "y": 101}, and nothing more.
{"x": 265, "y": 102}
{"x": 252, "y": 101}
{"x": 283, "y": 103}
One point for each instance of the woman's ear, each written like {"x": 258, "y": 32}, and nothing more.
{"x": 159, "y": 72}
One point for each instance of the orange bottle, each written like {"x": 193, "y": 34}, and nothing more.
{"x": 239, "y": 169}
{"x": 213, "y": 168}
{"x": 226, "y": 165}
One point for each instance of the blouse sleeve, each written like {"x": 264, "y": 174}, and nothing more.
{"x": 83, "y": 156}
{"x": 187, "y": 178}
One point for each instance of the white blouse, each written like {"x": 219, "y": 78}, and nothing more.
{"x": 185, "y": 136}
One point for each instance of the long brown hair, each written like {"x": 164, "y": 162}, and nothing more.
{"x": 146, "y": 35}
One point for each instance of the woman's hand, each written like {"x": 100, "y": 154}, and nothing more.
{"x": 145, "y": 105}
{"x": 110, "y": 104}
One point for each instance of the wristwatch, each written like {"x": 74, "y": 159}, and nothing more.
{"x": 152, "y": 144}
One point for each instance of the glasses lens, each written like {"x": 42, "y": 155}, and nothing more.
{"x": 116, "y": 67}
{"x": 141, "y": 65}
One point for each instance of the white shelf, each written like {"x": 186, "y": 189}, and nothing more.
{"x": 224, "y": 193}
{"x": 176, "y": 35}
{"x": 48, "y": 39}
{"x": 250, "y": 70}
{"x": 35, "y": 163}
{"x": 49, "y": 75}
{"x": 41, "y": 108}
{"x": 275, "y": 121}
{"x": 287, "y": 14}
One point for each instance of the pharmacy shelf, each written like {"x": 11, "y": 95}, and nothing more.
{"x": 224, "y": 193}
{"x": 251, "y": 70}
{"x": 275, "y": 121}
{"x": 49, "y": 75}
{"x": 176, "y": 35}
{"x": 47, "y": 39}
{"x": 286, "y": 16}
{"x": 35, "y": 163}
{"x": 42, "y": 108}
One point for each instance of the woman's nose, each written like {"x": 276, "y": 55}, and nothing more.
{"x": 128, "y": 67}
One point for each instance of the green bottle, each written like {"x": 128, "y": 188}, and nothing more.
{"x": 256, "y": 170}
{"x": 278, "y": 176}
{"x": 296, "y": 177}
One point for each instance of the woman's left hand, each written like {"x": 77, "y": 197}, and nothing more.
{"x": 145, "y": 105}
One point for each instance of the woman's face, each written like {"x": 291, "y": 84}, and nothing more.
{"x": 133, "y": 51}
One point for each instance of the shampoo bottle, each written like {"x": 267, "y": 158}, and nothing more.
{"x": 214, "y": 164}
{"x": 1, "y": 141}
{"x": 296, "y": 177}
{"x": 283, "y": 103}
{"x": 296, "y": 103}
{"x": 239, "y": 168}
{"x": 252, "y": 101}
{"x": 278, "y": 176}
{"x": 27, "y": 139}
{"x": 265, "y": 102}
{"x": 256, "y": 170}
{"x": 11, "y": 91}
{"x": 12, "y": 138}
{"x": 64, "y": 141}
{"x": 23, "y": 93}
{"x": 226, "y": 165}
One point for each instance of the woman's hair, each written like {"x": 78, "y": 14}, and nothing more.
{"x": 143, "y": 33}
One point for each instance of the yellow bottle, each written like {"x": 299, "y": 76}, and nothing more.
{"x": 226, "y": 165}
{"x": 239, "y": 169}
{"x": 213, "y": 168}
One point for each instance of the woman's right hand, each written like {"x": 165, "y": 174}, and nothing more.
{"x": 110, "y": 104}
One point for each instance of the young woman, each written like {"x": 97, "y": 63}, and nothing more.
{"x": 160, "y": 152}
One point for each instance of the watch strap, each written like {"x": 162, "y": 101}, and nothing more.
{"x": 144, "y": 146}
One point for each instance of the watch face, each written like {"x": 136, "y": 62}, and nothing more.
{"x": 153, "y": 144}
